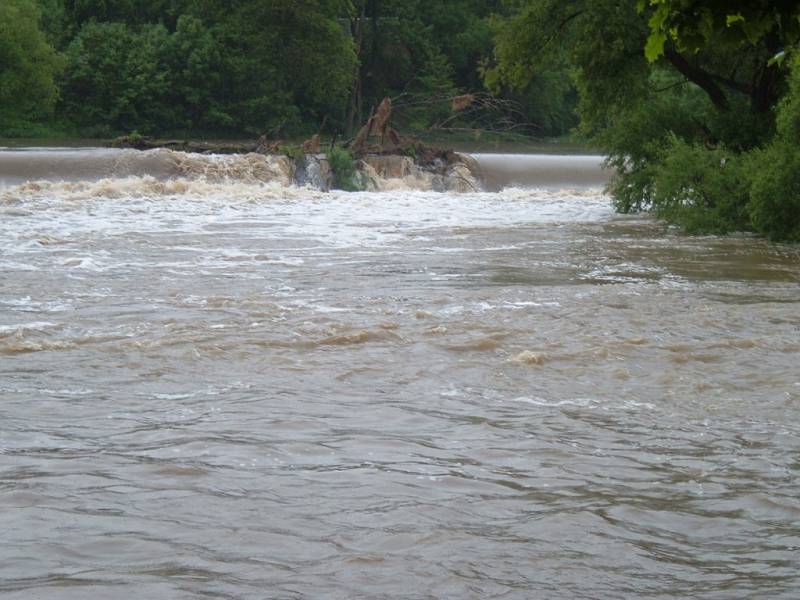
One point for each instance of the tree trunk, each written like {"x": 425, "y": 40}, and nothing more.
{"x": 704, "y": 80}
{"x": 764, "y": 94}
{"x": 354, "y": 107}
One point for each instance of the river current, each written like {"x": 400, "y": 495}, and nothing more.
{"x": 221, "y": 386}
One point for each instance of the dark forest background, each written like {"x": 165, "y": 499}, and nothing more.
{"x": 251, "y": 67}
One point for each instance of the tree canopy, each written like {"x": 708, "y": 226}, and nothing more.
{"x": 692, "y": 25}
{"x": 688, "y": 98}
{"x": 28, "y": 65}
{"x": 280, "y": 67}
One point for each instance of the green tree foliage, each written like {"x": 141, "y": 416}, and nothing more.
{"x": 462, "y": 30}
{"x": 343, "y": 168}
{"x": 292, "y": 58}
{"x": 238, "y": 66}
{"x": 399, "y": 56}
{"x": 120, "y": 79}
{"x": 681, "y": 95}
{"x": 281, "y": 67}
{"x": 423, "y": 53}
{"x": 704, "y": 190}
{"x": 116, "y": 78}
{"x": 78, "y": 13}
{"x": 536, "y": 68}
{"x": 691, "y": 25}
{"x": 28, "y": 65}
{"x": 775, "y": 193}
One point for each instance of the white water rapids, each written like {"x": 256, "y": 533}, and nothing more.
{"x": 217, "y": 385}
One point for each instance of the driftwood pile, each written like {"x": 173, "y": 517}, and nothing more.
{"x": 376, "y": 137}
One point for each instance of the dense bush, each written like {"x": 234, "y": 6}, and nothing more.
{"x": 775, "y": 194}
{"x": 343, "y": 167}
{"x": 205, "y": 65}
{"x": 703, "y": 190}
{"x": 251, "y": 67}
{"x": 712, "y": 188}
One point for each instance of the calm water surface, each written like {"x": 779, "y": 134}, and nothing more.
{"x": 233, "y": 389}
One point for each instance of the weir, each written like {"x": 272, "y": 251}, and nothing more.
{"x": 544, "y": 171}
{"x": 494, "y": 171}
{"x": 81, "y": 164}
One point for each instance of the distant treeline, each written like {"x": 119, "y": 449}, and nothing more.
{"x": 251, "y": 67}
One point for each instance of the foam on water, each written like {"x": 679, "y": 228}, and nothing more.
{"x": 59, "y": 211}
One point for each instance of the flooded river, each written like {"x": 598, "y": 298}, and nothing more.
{"x": 226, "y": 387}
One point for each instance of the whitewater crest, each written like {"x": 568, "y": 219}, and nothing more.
{"x": 166, "y": 172}
{"x": 147, "y": 187}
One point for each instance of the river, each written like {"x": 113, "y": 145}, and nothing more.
{"x": 215, "y": 385}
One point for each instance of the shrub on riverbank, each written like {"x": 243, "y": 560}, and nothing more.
{"x": 713, "y": 189}
{"x": 343, "y": 168}
{"x": 703, "y": 190}
{"x": 775, "y": 193}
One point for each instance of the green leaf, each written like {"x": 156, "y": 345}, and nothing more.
{"x": 778, "y": 59}
{"x": 731, "y": 19}
{"x": 655, "y": 45}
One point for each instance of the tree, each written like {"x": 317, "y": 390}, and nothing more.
{"x": 133, "y": 13}
{"x": 423, "y": 54}
{"x": 116, "y": 78}
{"x": 531, "y": 64}
{"x": 680, "y": 94}
{"x": 282, "y": 67}
{"x": 764, "y": 29}
{"x": 28, "y": 65}
{"x": 226, "y": 66}
{"x": 285, "y": 63}
{"x": 691, "y": 25}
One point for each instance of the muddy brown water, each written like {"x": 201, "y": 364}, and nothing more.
{"x": 216, "y": 387}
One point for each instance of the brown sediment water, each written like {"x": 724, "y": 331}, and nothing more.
{"x": 217, "y": 385}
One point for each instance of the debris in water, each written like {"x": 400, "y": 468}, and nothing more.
{"x": 529, "y": 358}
